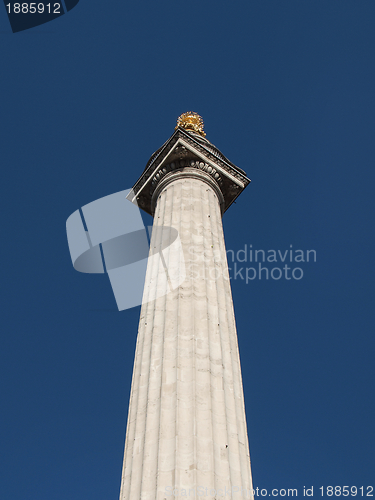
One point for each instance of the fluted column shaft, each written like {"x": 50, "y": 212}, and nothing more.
{"x": 186, "y": 425}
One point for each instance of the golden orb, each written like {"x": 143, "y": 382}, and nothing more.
{"x": 191, "y": 121}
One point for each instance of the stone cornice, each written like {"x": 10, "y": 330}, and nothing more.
{"x": 188, "y": 150}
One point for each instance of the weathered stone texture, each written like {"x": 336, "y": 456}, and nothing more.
{"x": 186, "y": 424}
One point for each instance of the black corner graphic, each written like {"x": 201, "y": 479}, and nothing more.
{"x": 25, "y": 15}
{"x": 69, "y": 4}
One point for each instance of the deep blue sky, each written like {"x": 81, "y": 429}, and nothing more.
{"x": 286, "y": 89}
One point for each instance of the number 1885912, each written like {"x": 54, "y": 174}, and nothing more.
{"x": 345, "y": 491}
{"x": 34, "y": 8}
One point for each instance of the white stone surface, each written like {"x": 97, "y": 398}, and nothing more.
{"x": 186, "y": 425}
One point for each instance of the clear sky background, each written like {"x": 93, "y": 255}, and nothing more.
{"x": 286, "y": 89}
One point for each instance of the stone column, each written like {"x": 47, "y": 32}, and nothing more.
{"x": 186, "y": 425}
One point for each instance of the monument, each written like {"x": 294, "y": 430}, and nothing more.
{"x": 186, "y": 432}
